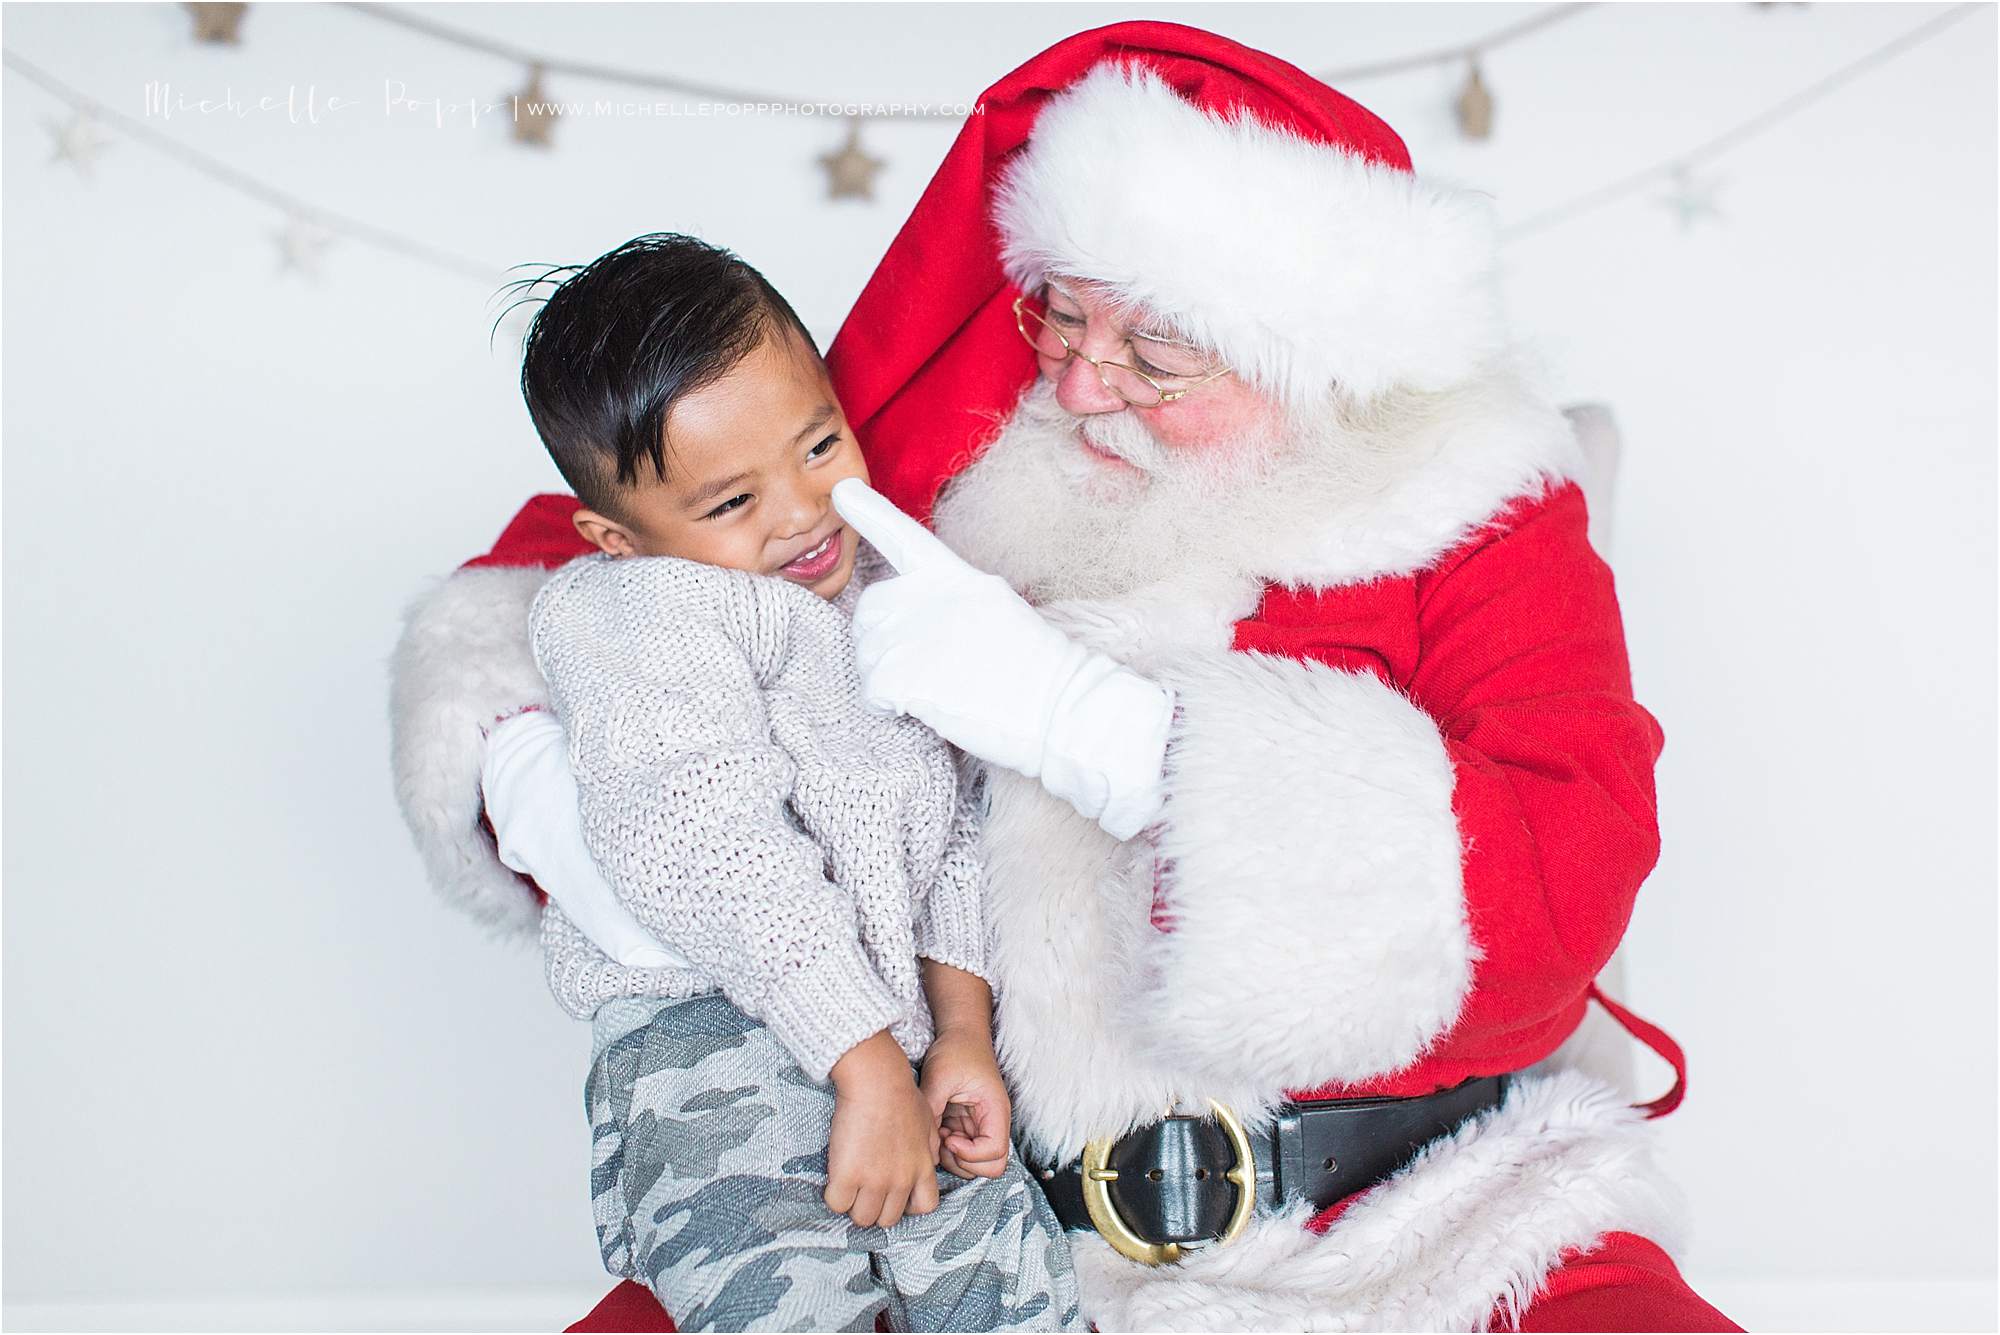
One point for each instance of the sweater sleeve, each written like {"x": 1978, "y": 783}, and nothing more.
{"x": 952, "y": 928}
{"x": 683, "y": 800}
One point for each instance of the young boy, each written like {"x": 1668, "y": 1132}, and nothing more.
{"x": 765, "y": 1156}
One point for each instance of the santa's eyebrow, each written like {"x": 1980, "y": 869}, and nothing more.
{"x": 1160, "y": 334}
{"x": 1148, "y": 329}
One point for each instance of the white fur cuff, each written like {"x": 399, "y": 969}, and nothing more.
{"x": 1312, "y": 870}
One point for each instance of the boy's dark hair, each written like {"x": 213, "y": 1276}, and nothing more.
{"x": 623, "y": 338}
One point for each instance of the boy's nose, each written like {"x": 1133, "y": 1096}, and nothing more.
{"x": 803, "y": 514}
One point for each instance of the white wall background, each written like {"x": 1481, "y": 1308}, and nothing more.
{"x": 254, "y": 1074}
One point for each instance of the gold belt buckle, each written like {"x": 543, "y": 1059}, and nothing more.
{"x": 1098, "y": 1175}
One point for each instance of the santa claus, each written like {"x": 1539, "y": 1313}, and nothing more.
{"x": 1261, "y": 593}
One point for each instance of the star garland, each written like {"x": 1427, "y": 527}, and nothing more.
{"x": 309, "y": 231}
{"x": 1692, "y": 198}
{"x": 851, "y": 169}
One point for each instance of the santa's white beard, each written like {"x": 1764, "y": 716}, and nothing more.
{"x": 1036, "y": 509}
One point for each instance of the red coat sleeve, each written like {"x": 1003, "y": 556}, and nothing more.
{"x": 1405, "y": 822}
{"x": 542, "y": 534}
{"x": 1522, "y": 665}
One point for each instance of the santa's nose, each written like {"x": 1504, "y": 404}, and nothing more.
{"x": 1080, "y": 390}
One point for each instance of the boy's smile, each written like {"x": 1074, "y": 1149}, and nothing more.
{"x": 819, "y": 561}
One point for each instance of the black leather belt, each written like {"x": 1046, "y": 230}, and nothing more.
{"x": 1183, "y": 1179}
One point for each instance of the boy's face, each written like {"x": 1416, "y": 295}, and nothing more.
{"x": 751, "y": 463}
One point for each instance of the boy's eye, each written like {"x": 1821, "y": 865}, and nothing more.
{"x": 824, "y": 448}
{"x": 732, "y": 503}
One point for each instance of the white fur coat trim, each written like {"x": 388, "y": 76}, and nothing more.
{"x": 1312, "y": 868}
{"x": 1459, "y": 459}
{"x": 1303, "y": 264}
{"x": 462, "y": 660}
{"x": 1473, "y": 1225}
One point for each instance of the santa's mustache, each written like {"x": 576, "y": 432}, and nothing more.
{"x": 1121, "y": 436}
{"x": 1124, "y": 436}
{"x": 1057, "y": 521}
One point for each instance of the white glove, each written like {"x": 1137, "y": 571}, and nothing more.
{"x": 959, "y": 649}
{"x": 531, "y": 801}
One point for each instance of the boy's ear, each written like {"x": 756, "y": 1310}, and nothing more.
{"x": 607, "y": 535}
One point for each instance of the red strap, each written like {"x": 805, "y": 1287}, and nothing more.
{"x": 1660, "y": 1041}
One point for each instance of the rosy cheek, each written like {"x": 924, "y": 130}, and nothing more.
{"x": 1198, "y": 422}
{"x": 1188, "y": 425}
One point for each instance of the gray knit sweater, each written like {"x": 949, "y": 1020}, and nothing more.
{"x": 798, "y": 849}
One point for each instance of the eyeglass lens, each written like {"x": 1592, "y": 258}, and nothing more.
{"x": 1121, "y": 380}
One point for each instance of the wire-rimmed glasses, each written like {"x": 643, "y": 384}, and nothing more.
{"x": 1129, "y": 383}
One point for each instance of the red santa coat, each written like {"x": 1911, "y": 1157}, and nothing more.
{"x": 1505, "y": 654}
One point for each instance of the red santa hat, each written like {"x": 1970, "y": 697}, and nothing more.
{"x": 1258, "y": 211}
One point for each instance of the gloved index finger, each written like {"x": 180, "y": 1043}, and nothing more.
{"x": 906, "y": 544}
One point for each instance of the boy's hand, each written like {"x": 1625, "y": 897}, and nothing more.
{"x": 881, "y": 1159}
{"x": 968, "y": 1100}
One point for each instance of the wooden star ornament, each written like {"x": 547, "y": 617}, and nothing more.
{"x": 218, "y": 23}
{"x": 851, "y": 172}
{"x": 534, "y": 115}
{"x": 1475, "y": 106}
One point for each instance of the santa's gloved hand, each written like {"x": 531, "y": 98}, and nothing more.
{"x": 531, "y": 803}
{"x": 959, "y": 649}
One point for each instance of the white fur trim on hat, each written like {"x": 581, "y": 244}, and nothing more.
{"x": 463, "y": 660}
{"x": 1301, "y": 264}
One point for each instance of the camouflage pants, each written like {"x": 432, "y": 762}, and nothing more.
{"x": 708, "y": 1166}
